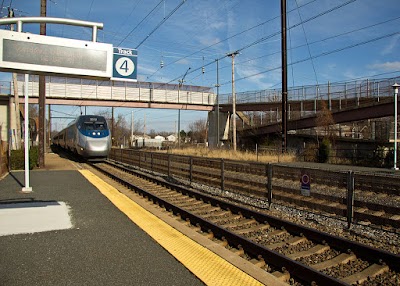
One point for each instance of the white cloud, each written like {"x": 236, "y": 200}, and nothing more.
{"x": 217, "y": 25}
{"x": 391, "y": 46}
{"x": 256, "y": 78}
{"x": 209, "y": 40}
{"x": 183, "y": 62}
{"x": 387, "y": 66}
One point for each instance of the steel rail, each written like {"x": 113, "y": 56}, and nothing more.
{"x": 300, "y": 271}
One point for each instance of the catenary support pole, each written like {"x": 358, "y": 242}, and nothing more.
{"x": 232, "y": 55}
{"x": 396, "y": 91}
{"x": 42, "y": 94}
{"x": 284, "y": 75}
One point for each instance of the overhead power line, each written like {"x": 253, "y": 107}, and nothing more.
{"x": 258, "y": 41}
{"x": 230, "y": 37}
{"x": 148, "y": 14}
{"x": 162, "y": 22}
{"x": 320, "y": 55}
{"x": 90, "y": 10}
{"x": 308, "y": 45}
{"x": 315, "y": 42}
{"x": 263, "y": 39}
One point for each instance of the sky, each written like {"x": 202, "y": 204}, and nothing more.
{"x": 328, "y": 40}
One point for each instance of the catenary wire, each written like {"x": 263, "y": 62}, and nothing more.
{"x": 162, "y": 22}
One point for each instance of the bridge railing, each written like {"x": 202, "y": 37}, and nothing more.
{"x": 370, "y": 88}
{"x": 74, "y": 88}
{"x": 307, "y": 101}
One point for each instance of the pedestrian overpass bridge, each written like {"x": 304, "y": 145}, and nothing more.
{"x": 347, "y": 102}
{"x": 85, "y": 92}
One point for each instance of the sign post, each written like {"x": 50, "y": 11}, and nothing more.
{"x": 37, "y": 54}
{"x": 27, "y": 188}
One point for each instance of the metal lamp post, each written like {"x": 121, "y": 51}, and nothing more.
{"x": 396, "y": 91}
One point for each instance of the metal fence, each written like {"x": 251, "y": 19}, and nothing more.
{"x": 369, "y": 88}
{"x": 270, "y": 182}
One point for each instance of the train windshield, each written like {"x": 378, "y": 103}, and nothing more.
{"x": 92, "y": 123}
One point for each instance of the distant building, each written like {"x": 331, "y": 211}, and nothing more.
{"x": 159, "y": 137}
{"x": 147, "y": 142}
{"x": 171, "y": 138}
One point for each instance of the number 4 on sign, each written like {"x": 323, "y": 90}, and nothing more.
{"x": 125, "y": 66}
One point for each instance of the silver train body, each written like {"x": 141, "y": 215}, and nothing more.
{"x": 88, "y": 136}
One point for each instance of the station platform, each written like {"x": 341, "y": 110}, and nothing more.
{"x": 75, "y": 229}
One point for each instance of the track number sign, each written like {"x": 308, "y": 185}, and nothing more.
{"x": 124, "y": 64}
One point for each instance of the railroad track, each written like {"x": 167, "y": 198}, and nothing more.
{"x": 296, "y": 254}
{"x": 333, "y": 200}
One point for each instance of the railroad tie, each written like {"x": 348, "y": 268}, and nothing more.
{"x": 292, "y": 241}
{"x": 395, "y": 217}
{"x": 371, "y": 271}
{"x": 210, "y": 210}
{"x": 258, "y": 262}
{"x": 221, "y": 214}
{"x": 340, "y": 259}
{"x": 254, "y": 228}
{"x": 318, "y": 249}
{"x": 240, "y": 223}
{"x": 282, "y": 276}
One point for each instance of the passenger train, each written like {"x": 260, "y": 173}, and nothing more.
{"x": 87, "y": 135}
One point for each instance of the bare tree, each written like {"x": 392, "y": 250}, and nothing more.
{"x": 325, "y": 120}
{"x": 198, "y": 131}
{"x": 33, "y": 110}
{"x": 121, "y": 131}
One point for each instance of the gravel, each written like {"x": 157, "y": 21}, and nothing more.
{"x": 335, "y": 225}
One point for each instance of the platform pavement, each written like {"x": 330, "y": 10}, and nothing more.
{"x": 108, "y": 239}
{"x": 102, "y": 248}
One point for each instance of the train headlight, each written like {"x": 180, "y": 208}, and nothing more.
{"x": 94, "y": 133}
{"x": 98, "y": 133}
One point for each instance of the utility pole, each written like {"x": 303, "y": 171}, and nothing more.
{"x": 284, "y": 76}
{"x": 218, "y": 138}
{"x": 180, "y": 84}
{"x": 112, "y": 126}
{"x": 49, "y": 124}
{"x": 179, "y": 116}
{"x": 42, "y": 94}
{"x": 232, "y": 55}
{"x": 144, "y": 127}
{"x": 132, "y": 129}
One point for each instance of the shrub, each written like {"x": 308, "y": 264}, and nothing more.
{"x": 324, "y": 151}
{"x": 310, "y": 153}
{"x": 17, "y": 159}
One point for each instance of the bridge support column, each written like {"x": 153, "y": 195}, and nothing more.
{"x": 217, "y": 136}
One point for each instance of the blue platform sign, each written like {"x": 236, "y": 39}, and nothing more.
{"x": 124, "y": 64}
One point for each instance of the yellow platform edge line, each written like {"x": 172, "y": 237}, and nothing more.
{"x": 205, "y": 264}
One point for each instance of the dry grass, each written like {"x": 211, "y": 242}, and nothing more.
{"x": 266, "y": 157}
